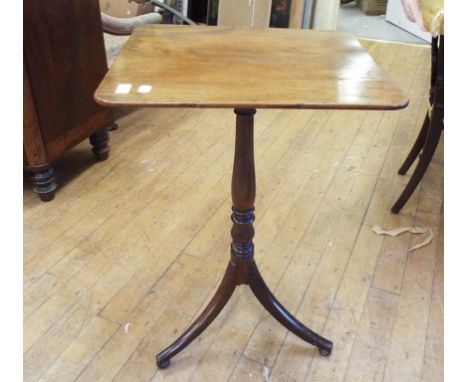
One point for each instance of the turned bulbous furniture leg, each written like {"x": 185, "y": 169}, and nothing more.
{"x": 44, "y": 184}
{"x": 100, "y": 143}
{"x": 242, "y": 268}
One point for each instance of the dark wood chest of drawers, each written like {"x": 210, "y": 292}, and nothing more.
{"x": 64, "y": 61}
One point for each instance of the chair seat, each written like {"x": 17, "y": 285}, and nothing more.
{"x": 433, "y": 16}
{"x": 113, "y": 46}
{"x": 428, "y": 14}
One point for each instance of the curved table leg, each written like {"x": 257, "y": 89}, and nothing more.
{"x": 273, "y": 306}
{"x": 217, "y": 303}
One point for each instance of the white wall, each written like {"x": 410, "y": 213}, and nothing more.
{"x": 325, "y": 14}
{"x": 396, "y": 15}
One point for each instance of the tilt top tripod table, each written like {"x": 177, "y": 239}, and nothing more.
{"x": 245, "y": 69}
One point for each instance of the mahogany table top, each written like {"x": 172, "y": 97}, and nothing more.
{"x": 225, "y": 67}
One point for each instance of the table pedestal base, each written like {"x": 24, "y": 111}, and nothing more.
{"x": 242, "y": 268}
{"x": 241, "y": 271}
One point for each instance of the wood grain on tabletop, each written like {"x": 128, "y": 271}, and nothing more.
{"x": 197, "y": 66}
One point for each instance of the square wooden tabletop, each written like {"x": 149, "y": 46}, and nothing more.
{"x": 225, "y": 67}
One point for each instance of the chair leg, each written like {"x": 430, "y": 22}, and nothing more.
{"x": 433, "y": 136}
{"x": 417, "y": 147}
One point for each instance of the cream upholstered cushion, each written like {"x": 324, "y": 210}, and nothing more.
{"x": 428, "y": 14}
{"x": 433, "y": 16}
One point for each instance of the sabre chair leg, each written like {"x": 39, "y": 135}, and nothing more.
{"x": 217, "y": 303}
{"x": 273, "y": 306}
{"x": 417, "y": 147}
{"x": 433, "y": 137}
{"x": 435, "y": 126}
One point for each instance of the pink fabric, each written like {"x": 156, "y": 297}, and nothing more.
{"x": 413, "y": 11}
{"x": 427, "y": 14}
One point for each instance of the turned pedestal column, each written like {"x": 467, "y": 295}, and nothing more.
{"x": 242, "y": 268}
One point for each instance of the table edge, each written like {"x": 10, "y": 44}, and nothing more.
{"x": 226, "y": 105}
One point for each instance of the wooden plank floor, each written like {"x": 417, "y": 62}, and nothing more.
{"x": 133, "y": 248}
